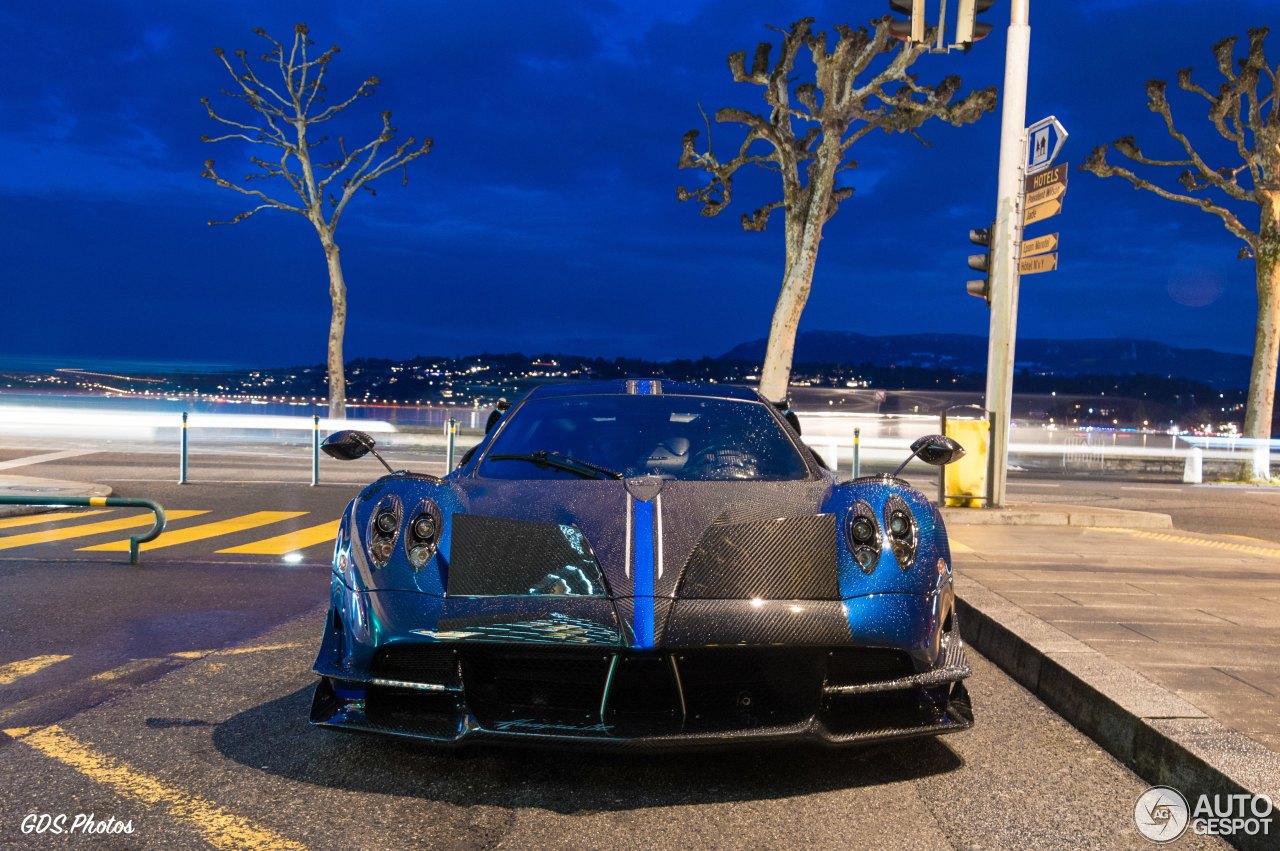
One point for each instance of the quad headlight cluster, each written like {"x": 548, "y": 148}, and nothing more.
{"x": 384, "y": 528}
{"x": 864, "y": 536}
{"x": 423, "y": 536}
{"x": 904, "y": 535}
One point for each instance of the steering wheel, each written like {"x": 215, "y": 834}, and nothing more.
{"x": 723, "y": 461}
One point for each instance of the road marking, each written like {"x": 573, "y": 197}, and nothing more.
{"x": 289, "y": 542}
{"x": 957, "y": 547}
{"x": 15, "y": 671}
{"x": 130, "y": 667}
{"x": 48, "y": 456}
{"x": 1274, "y": 552}
{"x": 234, "y": 651}
{"x": 219, "y": 827}
{"x": 261, "y": 648}
{"x": 203, "y": 531}
{"x": 1160, "y": 490}
{"x": 90, "y": 529}
{"x": 47, "y": 517}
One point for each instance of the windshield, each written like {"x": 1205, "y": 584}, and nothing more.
{"x": 677, "y": 437}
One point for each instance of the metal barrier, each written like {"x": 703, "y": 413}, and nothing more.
{"x": 98, "y": 501}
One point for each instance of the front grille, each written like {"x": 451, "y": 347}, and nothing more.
{"x": 547, "y": 688}
{"x": 416, "y": 663}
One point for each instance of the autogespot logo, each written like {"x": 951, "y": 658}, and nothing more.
{"x": 1161, "y": 814}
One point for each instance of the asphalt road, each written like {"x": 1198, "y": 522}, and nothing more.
{"x": 178, "y": 690}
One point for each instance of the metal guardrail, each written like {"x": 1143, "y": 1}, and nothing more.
{"x": 97, "y": 501}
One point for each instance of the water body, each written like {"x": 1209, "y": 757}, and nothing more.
{"x": 401, "y": 416}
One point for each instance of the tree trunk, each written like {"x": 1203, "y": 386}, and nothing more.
{"x": 804, "y": 233}
{"x": 1266, "y": 346}
{"x": 337, "y": 327}
{"x": 775, "y": 376}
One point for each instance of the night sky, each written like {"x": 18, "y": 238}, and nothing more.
{"x": 546, "y": 219}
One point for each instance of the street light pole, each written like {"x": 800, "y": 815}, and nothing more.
{"x": 1005, "y": 241}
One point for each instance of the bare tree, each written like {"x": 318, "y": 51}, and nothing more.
{"x": 1249, "y": 121}
{"x": 286, "y": 112}
{"x": 834, "y": 111}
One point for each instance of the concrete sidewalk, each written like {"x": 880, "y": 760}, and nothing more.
{"x": 1159, "y": 644}
{"x": 31, "y": 486}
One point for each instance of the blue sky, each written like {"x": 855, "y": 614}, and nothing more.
{"x": 545, "y": 217}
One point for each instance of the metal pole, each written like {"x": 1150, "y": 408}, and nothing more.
{"x": 1005, "y": 243}
{"x": 448, "y": 453}
{"x": 315, "y": 449}
{"x": 182, "y": 462}
{"x": 857, "y": 448}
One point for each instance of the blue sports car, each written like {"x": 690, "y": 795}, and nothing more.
{"x": 638, "y": 564}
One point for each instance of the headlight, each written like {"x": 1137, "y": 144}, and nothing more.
{"x": 384, "y": 528}
{"x": 904, "y": 538}
{"x": 423, "y": 537}
{"x": 864, "y": 536}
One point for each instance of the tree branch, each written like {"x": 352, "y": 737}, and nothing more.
{"x": 1097, "y": 164}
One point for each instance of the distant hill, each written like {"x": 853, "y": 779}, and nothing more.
{"x": 968, "y": 353}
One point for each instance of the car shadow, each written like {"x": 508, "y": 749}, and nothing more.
{"x": 275, "y": 737}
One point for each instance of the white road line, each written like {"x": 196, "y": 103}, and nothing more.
{"x": 1162, "y": 490}
{"x": 48, "y": 456}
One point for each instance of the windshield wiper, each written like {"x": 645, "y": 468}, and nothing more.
{"x": 559, "y": 461}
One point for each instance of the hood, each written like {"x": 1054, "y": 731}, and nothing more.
{"x": 662, "y": 541}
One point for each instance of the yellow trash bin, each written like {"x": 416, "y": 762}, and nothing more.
{"x": 964, "y": 483}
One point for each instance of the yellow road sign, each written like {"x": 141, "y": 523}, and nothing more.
{"x": 1040, "y": 212}
{"x": 1039, "y": 263}
{"x": 1040, "y": 245}
{"x": 1055, "y": 190}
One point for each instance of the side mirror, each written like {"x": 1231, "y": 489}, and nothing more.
{"x": 347, "y": 445}
{"x": 937, "y": 449}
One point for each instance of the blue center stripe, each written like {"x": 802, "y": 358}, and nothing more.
{"x": 643, "y": 622}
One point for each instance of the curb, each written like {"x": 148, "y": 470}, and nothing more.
{"x": 1044, "y": 514}
{"x": 1161, "y": 737}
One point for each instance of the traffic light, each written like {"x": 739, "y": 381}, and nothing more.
{"x": 967, "y": 29}
{"x": 914, "y": 29}
{"x": 980, "y": 263}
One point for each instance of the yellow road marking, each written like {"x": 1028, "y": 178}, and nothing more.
{"x": 261, "y": 648}
{"x": 48, "y": 517}
{"x": 290, "y": 541}
{"x": 90, "y": 529}
{"x": 130, "y": 667}
{"x": 15, "y": 671}
{"x": 203, "y": 531}
{"x": 219, "y": 827}
{"x": 233, "y": 651}
{"x": 957, "y": 547}
{"x": 1201, "y": 542}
